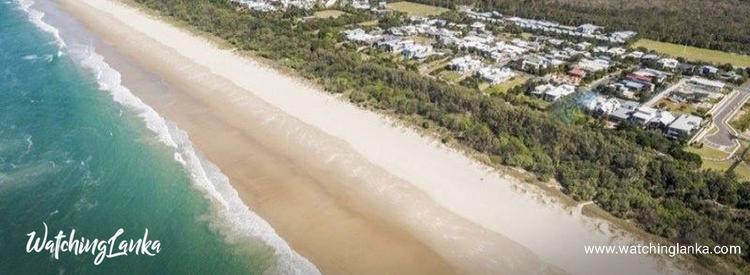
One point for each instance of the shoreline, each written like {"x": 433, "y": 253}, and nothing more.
{"x": 312, "y": 204}
{"x": 493, "y": 232}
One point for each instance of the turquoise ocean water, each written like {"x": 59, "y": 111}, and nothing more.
{"x": 75, "y": 153}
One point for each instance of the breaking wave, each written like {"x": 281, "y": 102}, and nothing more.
{"x": 237, "y": 220}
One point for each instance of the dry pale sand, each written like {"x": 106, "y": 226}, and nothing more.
{"x": 275, "y": 163}
{"x": 346, "y": 189}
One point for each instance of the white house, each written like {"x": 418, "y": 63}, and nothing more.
{"x": 684, "y": 126}
{"x": 465, "y": 64}
{"x": 417, "y": 51}
{"x": 588, "y": 28}
{"x": 495, "y": 75}
{"x": 669, "y": 63}
{"x": 552, "y": 93}
{"x": 643, "y": 115}
{"x": 535, "y": 62}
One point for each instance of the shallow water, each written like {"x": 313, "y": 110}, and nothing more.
{"x": 74, "y": 158}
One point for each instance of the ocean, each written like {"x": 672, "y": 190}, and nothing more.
{"x": 79, "y": 152}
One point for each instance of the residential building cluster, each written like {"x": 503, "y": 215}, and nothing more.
{"x": 562, "y": 57}
{"x": 588, "y": 31}
{"x": 273, "y": 5}
{"x": 617, "y": 110}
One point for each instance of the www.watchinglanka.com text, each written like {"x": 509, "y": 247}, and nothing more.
{"x": 655, "y": 248}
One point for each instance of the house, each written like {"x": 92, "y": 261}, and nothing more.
{"x": 621, "y": 36}
{"x": 617, "y": 51}
{"x": 478, "y": 26}
{"x": 587, "y": 28}
{"x": 669, "y": 63}
{"x": 360, "y": 4}
{"x": 705, "y": 84}
{"x": 684, "y": 126}
{"x": 662, "y": 120}
{"x": 495, "y": 75}
{"x": 258, "y": 5}
{"x": 730, "y": 76}
{"x": 649, "y": 57}
{"x": 577, "y": 73}
{"x": 687, "y": 68}
{"x": 688, "y": 95}
{"x": 552, "y": 93}
{"x": 535, "y": 62}
{"x": 607, "y": 106}
{"x": 594, "y": 65}
{"x": 635, "y": 55}
{"x": 643, "y": 115}
{"x": 624, "y": 111}
{"x": 393, "y": 44}
{"x": 651, "y": 75}
{"x": 417, "y": 51}
{"x": 583, "y": 46}
{"x": 465, "y": 64}
{"x": 708, "y": 70}
{"x": 359, "y": 35}
{"x": 600, "y": 105}
{"x": 638, "y": 86}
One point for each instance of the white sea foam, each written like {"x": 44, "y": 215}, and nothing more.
{"x": 238, "y": 221}
{"x": 36, "y": 17}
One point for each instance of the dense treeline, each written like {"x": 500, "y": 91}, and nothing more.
{"x": 717, "y": 24}
{"x": 633, "y": 173}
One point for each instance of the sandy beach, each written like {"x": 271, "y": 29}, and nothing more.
{"x": 345, "y": 187}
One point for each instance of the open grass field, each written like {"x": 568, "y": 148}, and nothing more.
{"x": 693, "y": 53}
{"x": 711, "y": 160}
{"x": 369, "y": 23}
{"x": 329, "y": 13}
{"x": 416, "y": 9}
{"x": 507, "y": 85}
{"x": 450, "y": 76}
{"x": 708, "y": 152}
{"x": 742, "y": 170}
{"x": 428, "y": 68}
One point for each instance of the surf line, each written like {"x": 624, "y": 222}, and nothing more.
{"x": 104, "y": 248}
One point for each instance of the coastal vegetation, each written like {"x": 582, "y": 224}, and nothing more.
{"x": 718, "y": 25}
{"x": 635, "y": 174}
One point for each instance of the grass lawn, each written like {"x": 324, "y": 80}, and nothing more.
{"x": 693, "y": 53}
{"x": 416, "y": 9}
{"x": 708, "y": 152}
{"x": 450, "y": 76}
{"x": 741, "y": 121}
{"x": 328, "y": 13}
{"x": 428, "y": 68}
{"x": 742, "y": 170}
{"x": 507, "y": 85}
{"x": 369, "y": 23}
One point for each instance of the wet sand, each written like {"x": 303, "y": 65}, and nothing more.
{"x": 343, "y": 186}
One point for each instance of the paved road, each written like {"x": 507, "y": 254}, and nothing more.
{"x": 724, "y": 138}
